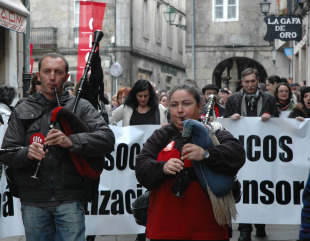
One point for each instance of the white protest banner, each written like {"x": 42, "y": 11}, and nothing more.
{"x": 118, "y": 184}
{"x": 2, "y": 131}
{"x": 276, "y": 168}
{"x": 111, "y": 213}
{"x": 11, "y": 223}
{"x": 10, "y": 220}
{"x": 273, "y": 177}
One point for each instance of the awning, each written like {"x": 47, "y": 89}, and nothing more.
{"x": 13, "y": 15}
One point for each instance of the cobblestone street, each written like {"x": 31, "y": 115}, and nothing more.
{"x": 274, "y": 233}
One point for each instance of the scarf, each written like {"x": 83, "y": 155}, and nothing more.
{"x": 251, "y": 100}
{"x": 217, "y": 112}
{"x": 289, "y": 105}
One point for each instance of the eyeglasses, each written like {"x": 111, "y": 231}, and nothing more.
{"x": 210, "y": 93}
{"x": 283, "y": 91}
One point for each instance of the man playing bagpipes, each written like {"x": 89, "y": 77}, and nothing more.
{"x": 70, "y": 154}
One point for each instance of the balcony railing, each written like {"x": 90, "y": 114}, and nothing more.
{"x": 43, "y": 38}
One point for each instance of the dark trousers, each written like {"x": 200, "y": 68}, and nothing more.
{"x": 185, "y": 240}
{"x": 247, "y": 227}
{"x": 141, "y": 237}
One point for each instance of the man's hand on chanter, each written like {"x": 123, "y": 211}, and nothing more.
{"x": 57, "y": 137}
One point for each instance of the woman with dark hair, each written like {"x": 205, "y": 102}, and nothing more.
{"x": 302, "y": 109}
{"x": 284, "y": 97}
{"x": 7, "y": 95}
{"x": 35, "y": 85}
{"x": 141, "y": 107}
{"x": 189, "y": 216}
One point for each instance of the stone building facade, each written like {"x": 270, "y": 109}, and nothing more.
{"x": 136, "y": 35}
{"x": 229, "y": 37}
{"x": 153, "y": 49}
{"x": 13, "y": 19}
{"x": 300, "y": 61}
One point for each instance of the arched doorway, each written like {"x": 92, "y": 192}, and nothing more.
{"x": 227, "y": 74}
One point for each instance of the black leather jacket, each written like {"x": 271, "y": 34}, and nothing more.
{"x": 233, "y": 104}
{"x": 58, "y": 179}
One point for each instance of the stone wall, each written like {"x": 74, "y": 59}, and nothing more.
{"x": 217, "y": 42}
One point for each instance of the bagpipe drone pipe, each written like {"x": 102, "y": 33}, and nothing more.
{"x": 90, "y": 169}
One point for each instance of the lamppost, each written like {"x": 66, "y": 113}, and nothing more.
{"x": 265, "y": 6}
{"x": 170, "y": 13}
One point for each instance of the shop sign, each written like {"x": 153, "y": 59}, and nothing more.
{"x": 285, "y": 28}
{"x": 12, "y": 20}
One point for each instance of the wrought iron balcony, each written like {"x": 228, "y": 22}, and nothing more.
{"x": 43, "y": 38}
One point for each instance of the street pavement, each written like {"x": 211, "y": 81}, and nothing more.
{"x": 274, "y": 233}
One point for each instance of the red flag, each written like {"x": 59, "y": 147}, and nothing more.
{"x": 91, "y": 19}
{"x": 31, "y": 59}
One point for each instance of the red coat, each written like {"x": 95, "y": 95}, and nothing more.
{"x": 189, "y": 217}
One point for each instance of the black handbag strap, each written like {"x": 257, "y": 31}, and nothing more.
{"x": 157, "y": 119}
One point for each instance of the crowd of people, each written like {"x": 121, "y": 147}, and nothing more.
{"x": 47, "y": 204}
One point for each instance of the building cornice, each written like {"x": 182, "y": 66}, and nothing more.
{"x": 231, "y": 48}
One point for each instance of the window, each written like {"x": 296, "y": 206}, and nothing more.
{"x": 225, "y": 10}
{"x": 144, "y": 74}
{"x": 76, "y": 22}
{"x": 169, "y": 34}
{"x": 180, "y": 36}
{"x": 145, "y": 20}
{"x": 76, "y": 13}
{"x": 168, "y": 82}
{"x": 158, "y": 23}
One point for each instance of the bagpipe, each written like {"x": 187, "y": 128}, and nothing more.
{"x": 90, "y": 169}
{"x": 218, "y": 186}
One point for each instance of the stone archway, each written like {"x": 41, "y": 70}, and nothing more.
{"x": 227, "y": 74}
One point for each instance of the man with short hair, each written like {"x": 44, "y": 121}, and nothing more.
{"x": 224, "y": 94}
{"x": 53, "y": 202}
{"x": 250, "y": 101}
{"x": 208, "y": 90}
{"x": 271, "y": 83}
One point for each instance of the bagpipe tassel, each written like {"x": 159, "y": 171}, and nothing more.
{"x": 218, "y": 186}
{"x": 224, "y": 208}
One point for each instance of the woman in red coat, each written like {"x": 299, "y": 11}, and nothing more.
{"x": 189, "y": 217}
